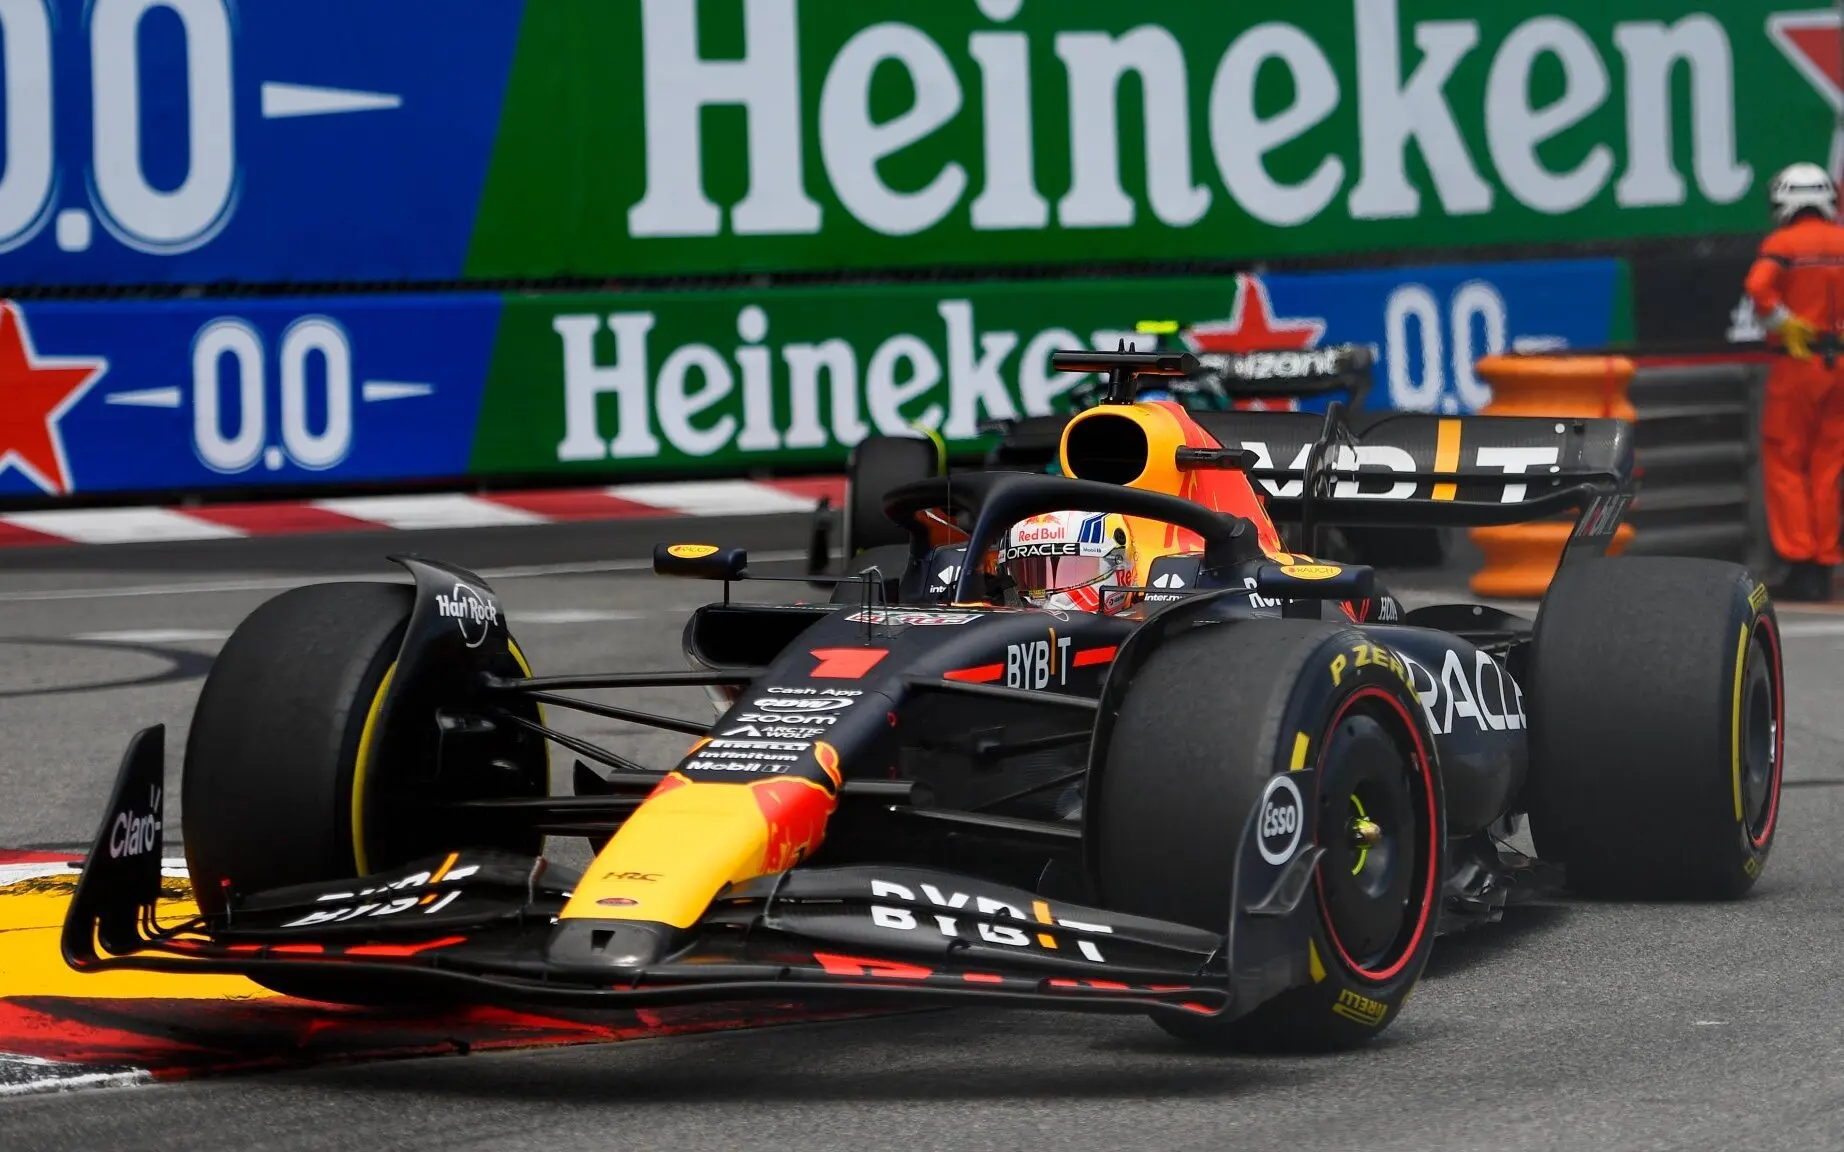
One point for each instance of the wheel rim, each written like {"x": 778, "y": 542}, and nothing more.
{"x": 1761, "y": 738}
{"x": 1376, "y": 823}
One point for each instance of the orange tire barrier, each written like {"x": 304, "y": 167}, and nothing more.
{"x": 1520, "y": 559}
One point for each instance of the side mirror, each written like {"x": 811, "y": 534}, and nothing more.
{"x": 1316, "y": 581}
{"x": 700, "y": 561}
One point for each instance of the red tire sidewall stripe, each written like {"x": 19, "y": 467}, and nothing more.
{"x": 1433, "y": 880}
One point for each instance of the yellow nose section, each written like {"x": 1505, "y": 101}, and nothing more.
{"x": 691, "y": 838}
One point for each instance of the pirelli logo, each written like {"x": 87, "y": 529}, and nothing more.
{"x": 1362, "y": 1009}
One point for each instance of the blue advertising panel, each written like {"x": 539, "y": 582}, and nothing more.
{"x": 1430, "y": 326}
{"x": 198, "y": 141}
{"x": 151, "y": 396}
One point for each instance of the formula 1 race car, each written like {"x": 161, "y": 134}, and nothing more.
{"x": 1258, "y": 380}
{"x": 1255, "y": 380}
{"x": 1244, "y": 806}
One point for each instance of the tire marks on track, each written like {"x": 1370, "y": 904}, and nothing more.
{"x": 182, "y": 664}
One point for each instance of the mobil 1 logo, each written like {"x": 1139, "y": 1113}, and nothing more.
{"x": 1282, "y": 820}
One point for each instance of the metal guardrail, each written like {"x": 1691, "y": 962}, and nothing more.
{"x": 1697, "y": 452}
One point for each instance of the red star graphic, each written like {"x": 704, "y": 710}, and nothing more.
{"x": 35, "y": 392}
{"x": 1810, "y": 40}
{"x": 1252, "y": 326}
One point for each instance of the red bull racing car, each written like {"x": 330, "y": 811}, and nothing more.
{"x": 1253, "y": 380}
{"x": 1242, "y": 797}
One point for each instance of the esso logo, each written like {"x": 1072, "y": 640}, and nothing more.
{"x": 1282, "y": 820}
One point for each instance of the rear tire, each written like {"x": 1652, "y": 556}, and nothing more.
{"x": 1656, "y": 704}
{"x": 283, "y": 734}
{"x": 878, "y": 466}
{"x": 1202, "y": 729}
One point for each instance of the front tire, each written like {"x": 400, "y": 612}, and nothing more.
{"x": 1210, "y": 718}
{"x": 291, "y": 778}
{"x": 1657, "y": 710}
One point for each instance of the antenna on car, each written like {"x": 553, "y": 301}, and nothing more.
{"x": 1123, "y": 385}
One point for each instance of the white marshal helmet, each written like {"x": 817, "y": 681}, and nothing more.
{"x": 1068, "y": 560}
{"x": 1803, "y": 187}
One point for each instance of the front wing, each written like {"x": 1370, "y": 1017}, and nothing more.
{"x": 479, "y": 925}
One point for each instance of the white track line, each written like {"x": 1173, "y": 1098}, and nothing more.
{"x": 1800, "y": 628}
{"x": 28, "y": 1075}
{"x": 436, "y": 510}
{"x": 121, "y": 525}
{"x": 575, "y": 616}
{"x": 713, "y": 498}
{"x": 278, "y": 583}
{"x": 154, "y": 636}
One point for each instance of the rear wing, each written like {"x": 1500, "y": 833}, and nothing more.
{"x": 1413, "y": 469}
{"x": 1275, "y": 372}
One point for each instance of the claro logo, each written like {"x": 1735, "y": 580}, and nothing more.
{"x": 133, "y": 835}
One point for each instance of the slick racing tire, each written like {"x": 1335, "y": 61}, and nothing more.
{"x": 290, "y": 779}
{"x": 1657, "y": 708}
{"x": 878, "y": 466}
{"x": 1210, "y": 718}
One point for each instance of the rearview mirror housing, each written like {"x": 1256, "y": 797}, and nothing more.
{"x": 1316, "y": 581}
{"x": 700, "y": 561}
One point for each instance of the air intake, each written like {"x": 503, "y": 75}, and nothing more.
{"x": 1106, "y": 448}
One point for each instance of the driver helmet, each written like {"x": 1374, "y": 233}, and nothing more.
{"x": 1069, "y": 561}
{"x": 1802, "y": 187}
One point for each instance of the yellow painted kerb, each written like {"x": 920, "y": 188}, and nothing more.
{"x": 32, "y": 913}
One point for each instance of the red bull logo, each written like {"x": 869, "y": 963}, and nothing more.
{"x": 828, "y": 756}
{"x": 796, "y": 812}
{"x": 1047, "y": 526}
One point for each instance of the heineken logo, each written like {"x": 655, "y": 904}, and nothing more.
{"x": 799, "y": 395}
{"x": 1015, "y": 118}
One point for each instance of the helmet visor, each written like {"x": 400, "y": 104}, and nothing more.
{"x": 1044, "y": 575}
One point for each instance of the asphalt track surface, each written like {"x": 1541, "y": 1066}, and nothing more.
{"x": 1572, "y": 1026}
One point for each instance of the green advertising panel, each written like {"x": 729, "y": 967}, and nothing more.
{"x": 715, "y": 136}
{"x": 355, "y": 390}
{"x": 606, "y": 384}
